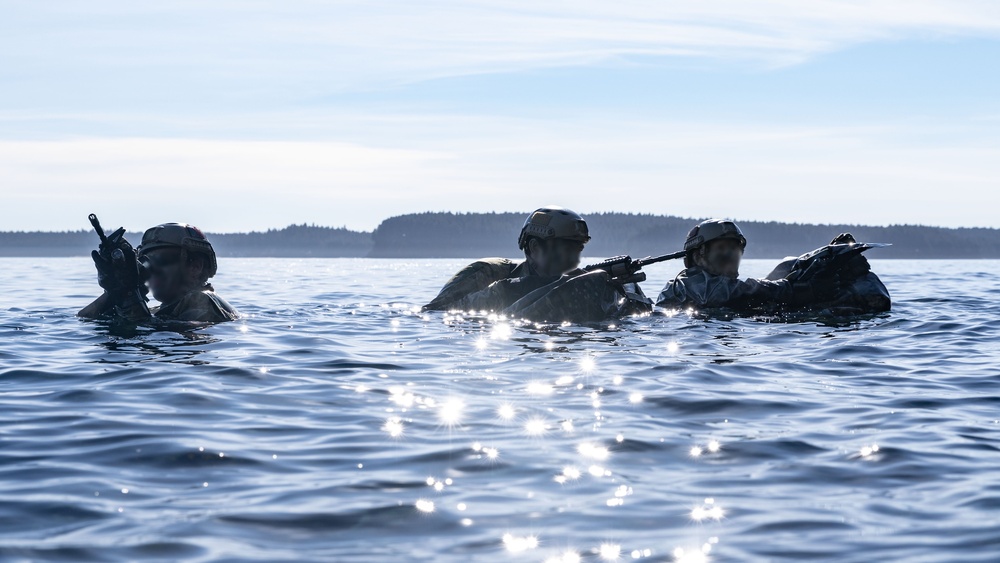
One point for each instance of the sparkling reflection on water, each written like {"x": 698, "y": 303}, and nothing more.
{"x": 337, "y": 422}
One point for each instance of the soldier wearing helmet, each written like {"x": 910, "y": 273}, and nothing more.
{"x": 711, "y": 275}
{"x": 551, "y": 238}
{"x": 175, "y": 261}
{"x": 548, "y": 285}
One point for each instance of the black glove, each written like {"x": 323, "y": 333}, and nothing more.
{"x": 117, "y": 268}
{"x": 855, "y": 268}
{"x": 843, "y": 238}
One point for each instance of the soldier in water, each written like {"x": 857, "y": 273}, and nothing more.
{"x": 178, "y": 261}
{"x": 710, "y": 279}
{"x": 711, "y": 276}
{"x": 547, "y": 285}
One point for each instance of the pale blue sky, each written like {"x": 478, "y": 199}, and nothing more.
{"x": 250, "y": 115}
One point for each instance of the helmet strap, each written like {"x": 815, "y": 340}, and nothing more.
{"x": 184, "y": 260}
{"x": 527, "y": 245}
{"x": 697, "y": 256}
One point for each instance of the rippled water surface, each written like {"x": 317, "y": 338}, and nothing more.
{"x": 336, "y": 423}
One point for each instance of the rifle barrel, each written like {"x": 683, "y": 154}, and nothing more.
{"x": 663, "y": 258}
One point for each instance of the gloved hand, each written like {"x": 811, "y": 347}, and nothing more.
{"x": 843, "y": 238}
{"x": 117, "y": 268}
{"x": 855, "y": 268}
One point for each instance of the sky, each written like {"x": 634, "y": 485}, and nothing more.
{"x": 249, "y": 115}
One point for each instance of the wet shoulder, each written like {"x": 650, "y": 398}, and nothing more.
{"x": 474, "y": 277}
{"x": 199, "y": 306}
{"x": 695, "y": 287}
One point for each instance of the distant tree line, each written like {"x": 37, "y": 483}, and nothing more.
{"x": 469, "y": 235}
{"x": 38, "y": 243}
{"x": 294, "y": 241}
{"x": 464, "y": 235}
{"x": 447, "y": 235}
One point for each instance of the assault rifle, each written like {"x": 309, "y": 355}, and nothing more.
{"x": 623, "y": 269}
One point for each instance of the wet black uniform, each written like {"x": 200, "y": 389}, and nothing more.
{"x": 490, "y": 284}
{"x": 200, "y": 305}
{"x": 698, "y": 289}
{"x": 852, "y": 289}
{"x": 515, "y": 290}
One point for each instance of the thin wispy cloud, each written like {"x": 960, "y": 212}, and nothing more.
{"x": 344, "y": 113}
{"x": 316, "y": 47}
{"x": 804, "y": 174}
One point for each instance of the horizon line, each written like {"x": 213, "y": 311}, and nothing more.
{"x": 694, "y": 220}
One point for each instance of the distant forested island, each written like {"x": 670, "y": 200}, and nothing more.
{"x": 295, "y": 241}
{"x": 470, "y": 235}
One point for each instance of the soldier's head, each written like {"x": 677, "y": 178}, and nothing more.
{"x": 552, "y": 239}
{"x": 179, "y": 258}
{"x": 716, "y": 246}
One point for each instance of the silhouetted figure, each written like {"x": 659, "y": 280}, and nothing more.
{"x": 548, "y": 285}
{"x": 174, "y": 263}
{"x": 711, "y": 276}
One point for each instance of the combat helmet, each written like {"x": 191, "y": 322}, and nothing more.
{"x": 551, "y": 222}
{"x": 714, "y": 229}
{"x": 179, "y": 235}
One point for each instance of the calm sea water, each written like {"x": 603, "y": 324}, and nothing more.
{"x": 336, "y": 423}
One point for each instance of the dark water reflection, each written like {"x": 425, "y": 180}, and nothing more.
{"x": 337, "y": 423}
